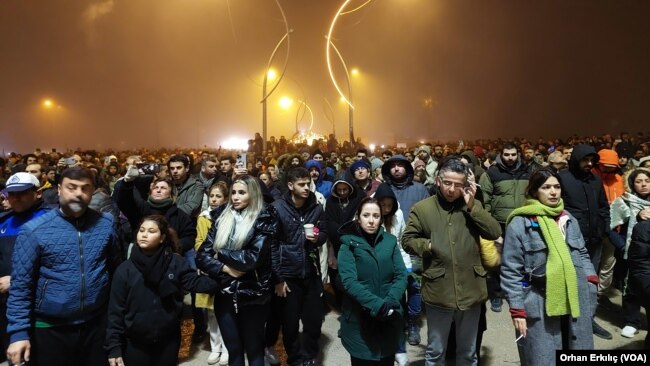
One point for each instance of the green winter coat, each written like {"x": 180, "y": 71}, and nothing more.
{"x": 453, "y": 277}
{"x": 370, "y": 276}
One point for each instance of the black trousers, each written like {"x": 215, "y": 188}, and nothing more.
{"x": 163, "y": 353}
{"x": 303, "y": 303}
{"x": 70, "y": 345}
{"x": 388, "y": 361}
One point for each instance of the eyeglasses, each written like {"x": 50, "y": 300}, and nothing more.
{"x": 448, "y": 184}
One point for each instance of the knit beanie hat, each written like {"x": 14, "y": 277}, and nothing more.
{"x": 359, "y": 164}
{"x": 418, "y": 163}
{"x": 375, "y": 164}
{"x": 425, "y": 148}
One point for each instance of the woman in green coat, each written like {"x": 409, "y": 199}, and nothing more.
{"x": 374, "y": 278}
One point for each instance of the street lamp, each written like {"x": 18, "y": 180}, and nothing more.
{"x": 268, "y": 70}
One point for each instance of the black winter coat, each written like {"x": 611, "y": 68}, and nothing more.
{"x": 254, "y": 259}
{"x": 638, "y": 257}
{"x": 584, "y": 196}
{"x": 135, "y": 208}
{"x": 290, "y": 247}
{"x": 136, "y": 311}
{"x": 338, "y": 215}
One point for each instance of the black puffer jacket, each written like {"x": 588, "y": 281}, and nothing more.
{"x": 638, "y": 257}
{"x": 584, "y": 196}
{"x": 254, "y": 259}
{"x": 290, "y": 247}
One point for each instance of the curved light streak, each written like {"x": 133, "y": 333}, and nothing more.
{"x": 357, "y": 8}
{"x": 328, "y": 57}
{"x": 311, "y": 114}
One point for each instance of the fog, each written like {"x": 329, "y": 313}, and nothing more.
{"x": 147, "y": 73}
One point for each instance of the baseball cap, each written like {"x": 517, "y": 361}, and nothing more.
{"x": 21, "y": 182}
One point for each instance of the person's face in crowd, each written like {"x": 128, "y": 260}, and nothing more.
{"x": 31, "y": 160}
{"x": 409, "y": 156}
{"x": 342, "y": 190}
{"x": 398, "y": 170}
{"x": 75, "y": 195}
{"x": 226, "y": 166}
{"x": 639, "y": 154}
{"x": 622, "y": 160}
{"x": 273, "y": 172}
{"x": 209, "y": 169}
{"x": 529, "y": 154}
{"x": 112, "y": 170}
{"x": 239, "y": 196}
{"x": 300, "y": 188}
{"x": 149, "y": 237}
{"x": 361, "y": 174}
{"x": 258, "y": 164}
{"x": 35, "y": 170}
{"x": 451, "y": 185}
{"x": 77, "y": 159}
{"x": 51, "y": 175}
{"x": 24, "y": 200}
{"x": 161, "y": 191}
{"x": 385, "y": 157}
{"x": 539, "y": 156}
{"x": 550, "y": 192}
{"x": 587, "y": 163}
{"x": 318, "y": 157}
{"x": 437, "y": 151}
{"x": 204, "y": 156}
{"x": 216, "y": 198}
{"x": 419, "y": 168}
{"x": 567, "y": 153}
{"x": 133, "y": 161}
{"x": 178, "y": 171}
{"x": 163, "y": 173}
{"x": 348, "y": 160}
{"x": 423, "y": 155}
{"x": 386, "y": 204}
{"x": 334, "y": 157}
{"x": 642, "y": 185}
{"x": 360, "y": 155}
{"x": 305, "y": 156}
{"x": 295, "y": 162}
{"x": 4, "y": 203}
{"x": 509, "y": 157}
{"x": 314, "y": 173}
{"x": 645, "y": 164}
{"x": 370, "y": 218}
{"x": 266, "y": 179}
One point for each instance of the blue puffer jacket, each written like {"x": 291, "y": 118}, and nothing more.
{"x": 60, "y": 271}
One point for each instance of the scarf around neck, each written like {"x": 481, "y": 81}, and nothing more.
{"x": 153, "y": 270}
{"x": 160, "y": 204}
{"x": 561, "y": 278}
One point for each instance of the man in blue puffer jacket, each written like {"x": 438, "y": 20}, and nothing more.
{"x": 60, "y": 280}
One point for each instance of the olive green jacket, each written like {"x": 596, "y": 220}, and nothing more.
{"x": 453, "y": 276}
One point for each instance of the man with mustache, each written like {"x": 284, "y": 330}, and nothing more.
{"x": 60, "y": 280}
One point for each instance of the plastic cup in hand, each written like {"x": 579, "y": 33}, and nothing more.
{"x": 309, "y": 229}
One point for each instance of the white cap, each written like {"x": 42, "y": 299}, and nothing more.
{"x": 21, "y": 182}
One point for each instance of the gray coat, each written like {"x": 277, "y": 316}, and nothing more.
{"x": 524, "y": 252}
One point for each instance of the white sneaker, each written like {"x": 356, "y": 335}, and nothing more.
{"x": 270, "y": 356}
{"x": 629, "y": 331}
{"x": 401, "y": 359}
{"x": 214, "y": 358}
{"x": 224, "y": 359}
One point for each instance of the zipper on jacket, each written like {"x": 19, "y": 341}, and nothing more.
{"x": 42, "y": 294}
{"x": 83, "y": 271}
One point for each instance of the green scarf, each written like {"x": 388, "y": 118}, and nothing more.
{"x": 561, "y": 279}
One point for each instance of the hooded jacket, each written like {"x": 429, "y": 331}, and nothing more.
{"x": 397, "y": 224}
{"x": 341, "y": 210}
{"x": 322, "y": 186}
{"x": 504, "y": 189}
{"x": 584, "y": 196}
{"x": 407, "y": 192}
{"x": 612, "y": 182}
{"x": 476, "y": 164}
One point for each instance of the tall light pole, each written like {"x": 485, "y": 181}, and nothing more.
{"x": 266, "y": 95}
{"x": 328, "y": 44}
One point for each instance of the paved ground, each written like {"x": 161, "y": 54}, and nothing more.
{"x": 498, "y": 341}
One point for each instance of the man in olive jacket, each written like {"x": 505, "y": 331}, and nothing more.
{"x": 444, "y": 230}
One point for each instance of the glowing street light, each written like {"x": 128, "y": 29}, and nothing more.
{"x": 48, "y": 104}
{"x": 354, "y": 71}
{"x": 285, "y": 102}
{"x": 271, "y": 75}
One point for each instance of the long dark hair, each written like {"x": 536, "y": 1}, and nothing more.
{"x": 366, "y": 201}
{"x": 171, "y": 239}
{"x": 538, "y": 178}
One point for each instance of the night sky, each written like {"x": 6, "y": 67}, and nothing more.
{"x": 186, "y": 73}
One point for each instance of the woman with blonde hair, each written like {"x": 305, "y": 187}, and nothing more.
{"x": 236, "y": 253}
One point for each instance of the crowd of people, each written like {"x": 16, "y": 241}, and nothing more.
{"x": 98, "y": 250}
